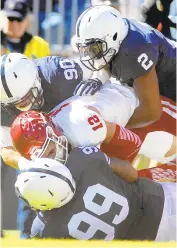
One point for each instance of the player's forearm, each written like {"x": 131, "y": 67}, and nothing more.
{"x": 142, "y": 118}
{"x": 10, "y": 156}
{"x": 121, "y": 142}
{"x": 124, "y": 169}
{"x": 2, "y": 50}
{"x": 149, "y": 109}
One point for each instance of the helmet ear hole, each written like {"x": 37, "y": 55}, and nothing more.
{"x": 115, "y": 36}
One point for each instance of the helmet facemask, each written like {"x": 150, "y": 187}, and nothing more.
{"x": 55, "y": 147}
{"x": 94, "y": 53}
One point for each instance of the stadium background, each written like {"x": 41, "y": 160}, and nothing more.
{"x": 55, "y": 22}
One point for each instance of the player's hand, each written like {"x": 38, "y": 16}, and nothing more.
{"x": 88, "y": 87}
{"x": 10, "y": 156}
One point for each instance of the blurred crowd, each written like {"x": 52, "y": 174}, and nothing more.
{"x": 27, "y": 25}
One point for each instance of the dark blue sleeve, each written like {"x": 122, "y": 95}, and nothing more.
{"x": 140, "y": 61}
{"x": 59, "y": 68}
{"x": 59, "y": 77}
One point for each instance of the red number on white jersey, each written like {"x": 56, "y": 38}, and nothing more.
{"x": 95, "y": 122}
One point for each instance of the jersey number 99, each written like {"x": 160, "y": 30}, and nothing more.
{"x": 95, "y": 224}
{"x": 69, "y": 71}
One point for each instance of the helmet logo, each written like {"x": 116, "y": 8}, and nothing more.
{"x": 113, "y": 14}
{"x": 115, "y": 36}
{"x": 15, "y": 75}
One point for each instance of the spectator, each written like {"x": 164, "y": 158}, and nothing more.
{"x": 42, "y": 12}
{"x": 14, "y": 37}
{"x": 156, "y": 14}
{"x": 53, "y": 19}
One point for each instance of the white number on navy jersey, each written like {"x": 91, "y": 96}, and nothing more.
{"x": 143, "y": 60}
{"x": 89, "y": 149}
{"x": 95, "y": 224}
{"x": 69, "y": 71}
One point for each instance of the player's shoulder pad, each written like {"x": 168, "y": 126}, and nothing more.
{"x": 82, "y": 158}
{"x": 90, "y": 153}
{"x": 82, "y": 126}
{"x": 137, "y": 57}
{"x": 69, "y": 66}
{"x": 59, "y": 70}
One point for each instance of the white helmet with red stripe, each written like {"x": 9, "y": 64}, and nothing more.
{"x": 19, "y": 82}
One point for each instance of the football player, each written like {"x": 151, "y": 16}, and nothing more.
{"x": 88, "y": 201}
{"x": 29, "y": 84}
{"x": 119, "y": 98}
{"x": 86, "y": 123}
{"x": 35, "y": 84}
{"x": 134, "y": 53}
{"x": 33, "y": 133}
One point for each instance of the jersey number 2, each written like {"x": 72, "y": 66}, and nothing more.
{"x": 143, "y": 60}
{"x": 92, "y": 223}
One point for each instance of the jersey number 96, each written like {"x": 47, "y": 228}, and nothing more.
{"x": 69, "y": 71}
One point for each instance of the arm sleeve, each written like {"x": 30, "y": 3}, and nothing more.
{"x": 124, "y": 145}
{"x": 83, "y": 158}
{"x": 121, "y": 100}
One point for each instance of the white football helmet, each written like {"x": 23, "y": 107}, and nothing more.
{"x": 45, "y": 184}
{"x": 19, "y": 82}
{"x": 100, "y": 31}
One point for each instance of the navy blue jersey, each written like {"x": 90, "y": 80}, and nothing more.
{"x": 104, "y": 205}
{"x": 143, "y": 48}
{"x": 59, "y": 77}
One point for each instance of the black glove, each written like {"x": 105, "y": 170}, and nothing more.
{"x": 88, "y": 87}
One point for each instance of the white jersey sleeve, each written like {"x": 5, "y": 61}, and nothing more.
{"x": 116, "y": 103}
{"x": 82, "y": 126}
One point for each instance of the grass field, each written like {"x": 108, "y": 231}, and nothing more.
{"x": 11, "y": 239}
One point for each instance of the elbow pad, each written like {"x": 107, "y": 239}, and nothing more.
{"x": 156, "y": 145}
